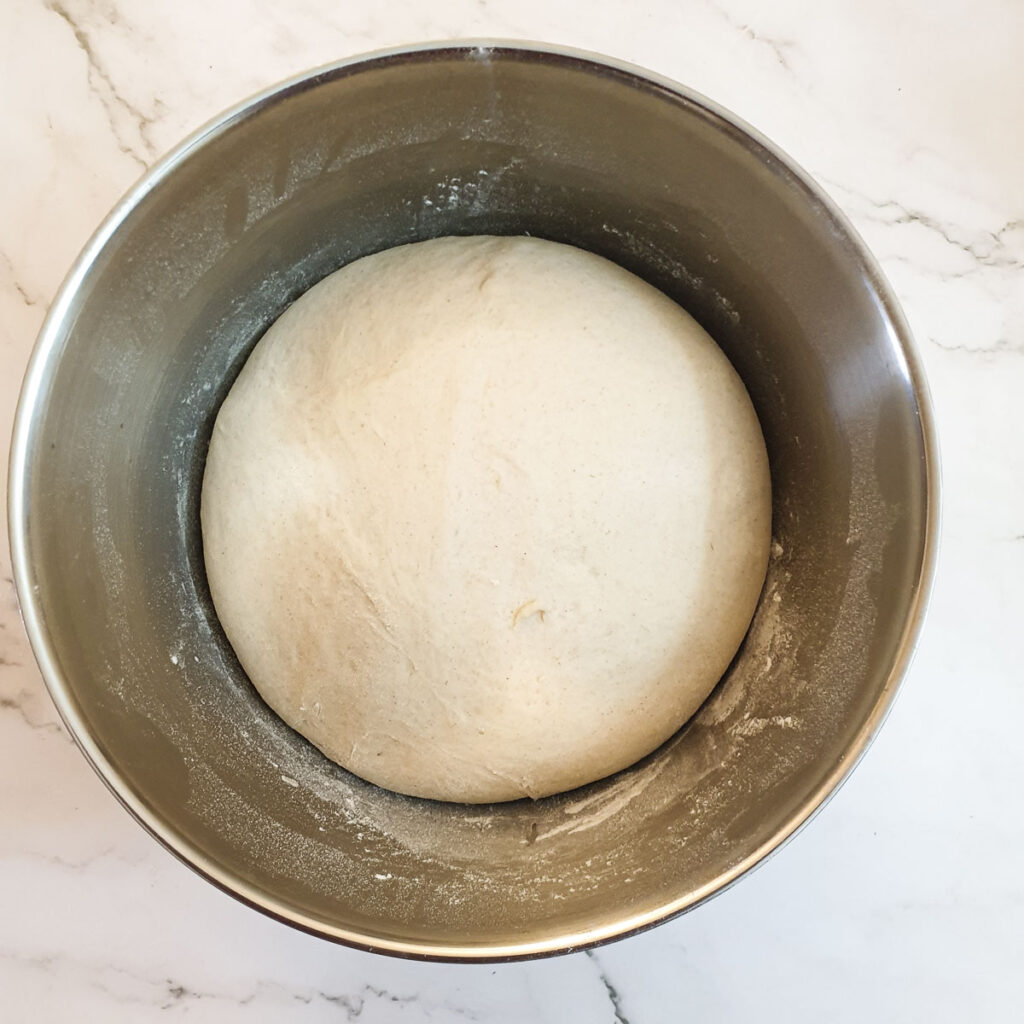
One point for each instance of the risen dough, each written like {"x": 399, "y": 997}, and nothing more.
{"x": 485, "y": 517}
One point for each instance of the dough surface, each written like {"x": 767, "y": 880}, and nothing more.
{"x": 485, "y": 517}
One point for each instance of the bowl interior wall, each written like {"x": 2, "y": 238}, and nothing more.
{"x": 500, "y": 142}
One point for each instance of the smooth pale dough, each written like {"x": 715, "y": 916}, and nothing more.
{"x": 486, "y": 517}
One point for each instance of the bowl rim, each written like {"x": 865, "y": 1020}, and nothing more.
{"x": 62, "y": 692}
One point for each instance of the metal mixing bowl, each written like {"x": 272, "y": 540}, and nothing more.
{"x": 161, "y": 310}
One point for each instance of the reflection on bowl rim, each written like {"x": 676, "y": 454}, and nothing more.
{"x": 61, "y": 692}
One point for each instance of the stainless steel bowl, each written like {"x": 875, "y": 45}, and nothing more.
{"x": 158, "y": 315}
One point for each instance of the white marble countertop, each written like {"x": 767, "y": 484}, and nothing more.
{"x": 904, "y": 900}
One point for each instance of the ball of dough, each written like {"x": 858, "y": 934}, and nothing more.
{"x": 485, "y": 518}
